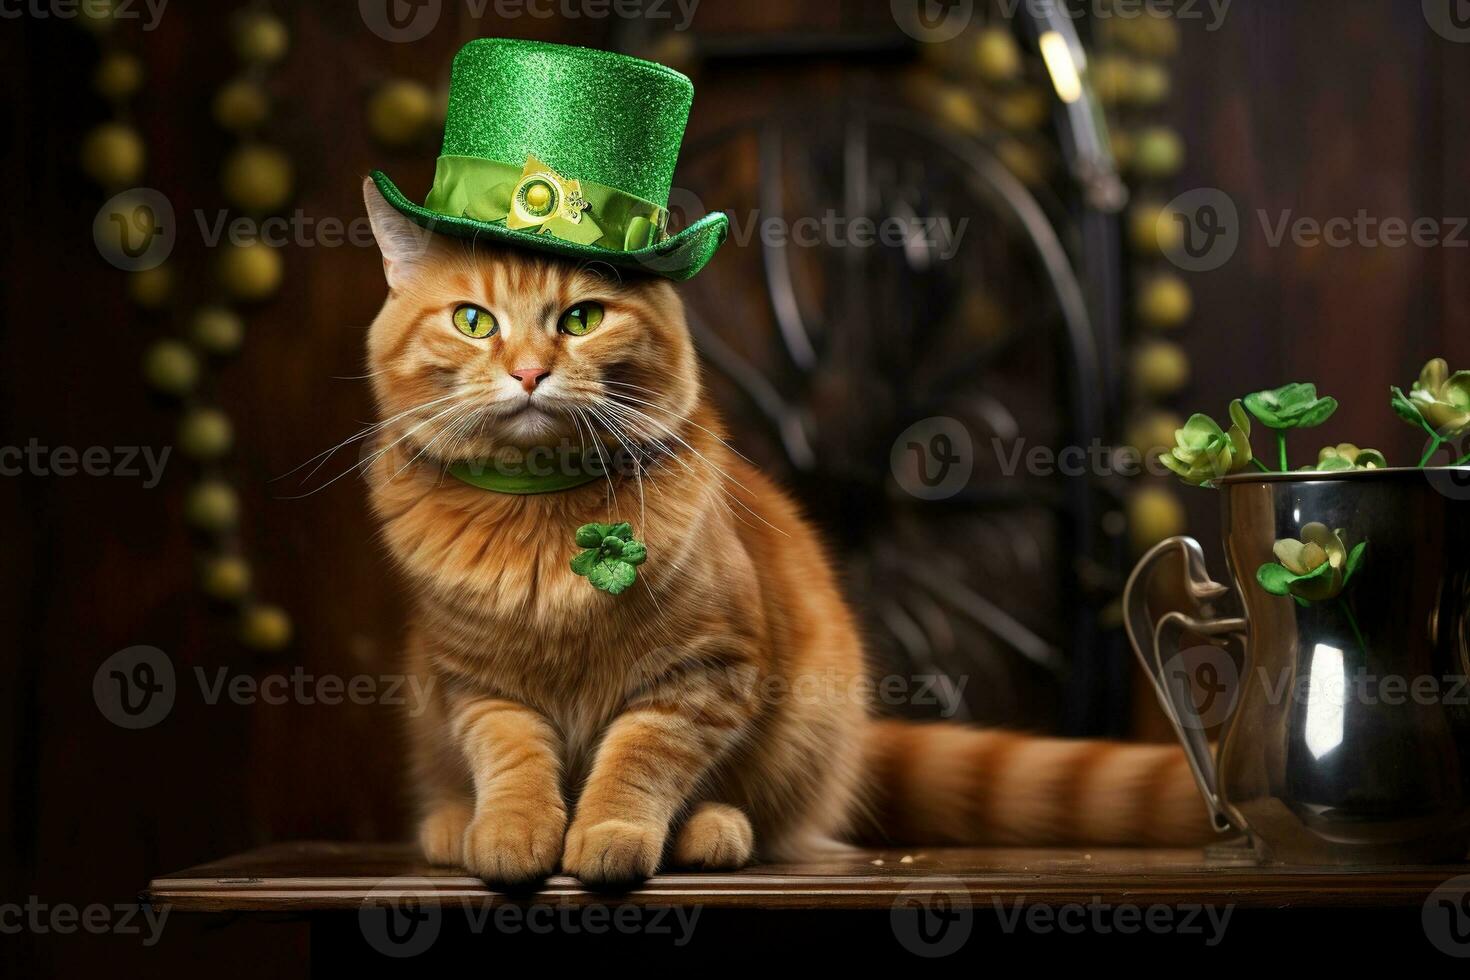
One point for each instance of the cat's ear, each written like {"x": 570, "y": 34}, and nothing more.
{"x": 405, "y": 245}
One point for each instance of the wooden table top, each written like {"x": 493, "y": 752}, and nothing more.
{"x": 317, "y": 876}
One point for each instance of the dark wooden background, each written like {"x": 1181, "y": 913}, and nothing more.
{"x": 1323, "y": 107}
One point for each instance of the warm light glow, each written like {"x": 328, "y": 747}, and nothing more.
{"x": 1325, "y": 701}
{"x": 1062, "y": 66}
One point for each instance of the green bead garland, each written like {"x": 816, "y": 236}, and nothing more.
{"x": 1134, "y": 82}
{"x": 257, "y": 179}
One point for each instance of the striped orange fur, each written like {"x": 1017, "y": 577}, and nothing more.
{"x": 715, "y": 711}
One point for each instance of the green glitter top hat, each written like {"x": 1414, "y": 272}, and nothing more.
{"x": 564, "y": 149}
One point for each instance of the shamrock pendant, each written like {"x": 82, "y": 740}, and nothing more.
{"x": 611, "y": 559}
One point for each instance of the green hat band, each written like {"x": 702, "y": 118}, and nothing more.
{"x": 533, "y": 198}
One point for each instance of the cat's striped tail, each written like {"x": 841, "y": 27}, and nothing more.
{"x": 948, "y": 784}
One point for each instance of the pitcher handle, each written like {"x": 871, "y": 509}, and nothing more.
{"x": 1156, "y": 643}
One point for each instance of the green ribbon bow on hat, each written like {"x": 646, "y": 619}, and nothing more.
{"x": 538, "y": 200}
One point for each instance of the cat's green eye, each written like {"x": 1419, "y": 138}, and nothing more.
{"x": 581, "y": 319}
{"x": 474, "y": 321}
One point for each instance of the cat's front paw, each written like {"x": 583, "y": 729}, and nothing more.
{"x": 441, "y": 833}
{"x": 514, "y": 847}
{"x": 714, "y": 837}
{"x": 613, "y": 852}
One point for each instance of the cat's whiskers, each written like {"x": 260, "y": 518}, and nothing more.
{"x": 629, "y": 445}
{"x": 726, "y": 495}
{"x": 635, "y": 419}
{"x": 705, "y": 460}
{"x": 632, "y": 436}
{"x": 631, "y": 450}
{"x": 638, "y": 436}
{"x": 407, "y": 435}
{"x": 582, "y": 414}
{"x": 601, "y": 455}
{"x": 581, "y": 439}
{"x": 363, "y": 464}
{"x": 670, "y": 412}
{"x": 675, "y": 436}
{"x": 375, "y": 427}
{"x": 629, "y": 426}
{"x": 465, "y": 431}
{"x": 444, "y": 430}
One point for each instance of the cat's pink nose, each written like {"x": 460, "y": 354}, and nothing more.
{"x": 529, "y": 377}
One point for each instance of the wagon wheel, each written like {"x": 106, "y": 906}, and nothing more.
{"x": 857, "y": 372}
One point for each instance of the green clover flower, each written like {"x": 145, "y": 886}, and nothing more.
{"x": 1346, "y": 456}
{"x": 612, "y": 557}
{"x": 1439, "y": 404}
{"x": 1293, "y": 406}
{"x": 1314, "y": 569}
{"x": 1205, "y": 452}
{"x": 1442, "y": 399}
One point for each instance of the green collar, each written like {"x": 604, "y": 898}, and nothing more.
{"x": 488, "y": 477}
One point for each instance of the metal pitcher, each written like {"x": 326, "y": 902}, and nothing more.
{"x": 1343, "y": 719}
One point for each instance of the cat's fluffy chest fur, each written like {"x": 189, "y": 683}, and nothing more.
{"x": 500, "y": 613}
{"x": 716, "y": 622}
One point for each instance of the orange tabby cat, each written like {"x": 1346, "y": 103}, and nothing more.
{"x": 710, "y": 713}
